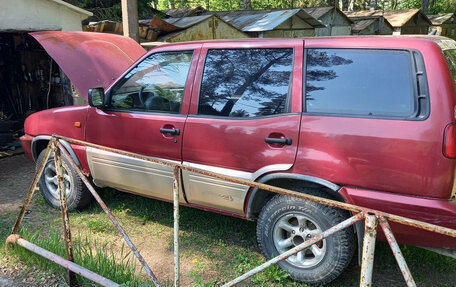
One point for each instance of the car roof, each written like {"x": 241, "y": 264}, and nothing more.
{"x": 368, "y": 41}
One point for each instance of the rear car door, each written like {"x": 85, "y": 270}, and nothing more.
{"x": 244, "y": 118}
{"x": 146, "y": 115}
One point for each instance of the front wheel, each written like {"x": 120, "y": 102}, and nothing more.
{"x": 286, "y": 222}
{"x": 76, "y": 193}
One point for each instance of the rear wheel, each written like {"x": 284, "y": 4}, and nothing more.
{"x": 77, "y": 194}
{"x": 286, "y": 222}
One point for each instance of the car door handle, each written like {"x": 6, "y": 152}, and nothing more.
{"x": 170, "y": 131}
{"x": 283, "y": 141}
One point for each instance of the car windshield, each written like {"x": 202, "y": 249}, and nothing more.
{"x": 450, "y": 56}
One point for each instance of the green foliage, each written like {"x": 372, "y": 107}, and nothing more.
{"x": 435, "y": 7}
{"x": 443, "y": 6}
{"x": 111, "y": 9}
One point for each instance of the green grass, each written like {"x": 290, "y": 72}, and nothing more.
{"x": 220, "y": 247}
{"x": 95, "y": 256}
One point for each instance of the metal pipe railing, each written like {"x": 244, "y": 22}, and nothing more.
{"x": 371, "y": 217}
{"x": 397, "y": 252}
{"x": 306, "y": 244}
{"x": 367, "y": 262}
{"x": 111, "y": 216}
{"x": 333, "y": 203}
{"x": 70, "y": 276}
{"x": 69, "y": 265}
{"x": 176, "y": 178}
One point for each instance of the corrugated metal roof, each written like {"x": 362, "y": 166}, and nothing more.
{"x": 185, "y": 22}
{"x": 263, "y": 20}
{"x": 362, "y": 24}
{"x": 318, "y": 12}
{"x": 185, "y": 12}
{"x": 173, "y": 24}
{"x": 397, "y": 18}
{"x": 440, "y": 19}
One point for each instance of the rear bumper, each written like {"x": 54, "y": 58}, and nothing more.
{"x": 26, "y": 142}
{"x": 438, "y": 212}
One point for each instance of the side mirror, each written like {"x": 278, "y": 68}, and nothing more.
{"x": 97, "y": 97}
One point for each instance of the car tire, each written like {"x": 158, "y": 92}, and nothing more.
{"x": 77, "y": 194}
{"x": 322, "y": 262}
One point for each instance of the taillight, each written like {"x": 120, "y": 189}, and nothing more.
{"x": 449, "y": 141}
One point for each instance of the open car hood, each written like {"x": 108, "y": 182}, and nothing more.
{"x": 90, "y": 60}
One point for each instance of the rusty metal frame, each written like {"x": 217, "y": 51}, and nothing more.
{"x": 372, "y": 218}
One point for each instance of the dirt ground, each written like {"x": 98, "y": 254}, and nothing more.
{"x": 16, "y": 174}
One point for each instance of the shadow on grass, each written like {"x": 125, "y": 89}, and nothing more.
{"x": 203, "y": 225}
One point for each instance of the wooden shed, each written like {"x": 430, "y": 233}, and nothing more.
{"x": 30, "y": 80}
{"x": 206, "y": 27}
{"x": 444, "y": 24}
{"x": 336, "y": 22}
{"x": 284, "y": 23}
{"x": 372, "y": 26}
{"x": 411, "y": 21}
{"x": 39, "y": 15}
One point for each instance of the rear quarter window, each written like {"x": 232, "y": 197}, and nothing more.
{"x": 360, "y": 82}
{"x": 450, "y": 56}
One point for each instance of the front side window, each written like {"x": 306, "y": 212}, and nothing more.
{"x": 246, "y": 82}
{"x": 360, "y": 82}
{"x": 157, "y": 84}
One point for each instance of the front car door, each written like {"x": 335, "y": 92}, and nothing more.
{"x": 146, "y": 115}
{"x": 244, "y": 118}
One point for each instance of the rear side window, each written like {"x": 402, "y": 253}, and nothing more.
{"x": 450, "y": 56}
{"x": 246, "y": 82}
{"x": 360, "y": 82}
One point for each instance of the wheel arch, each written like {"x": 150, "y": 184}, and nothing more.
{"x": 259, "y": 197}
{"x": 39, "y": 143}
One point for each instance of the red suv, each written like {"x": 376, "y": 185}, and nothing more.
{"x": 364, "y": 120}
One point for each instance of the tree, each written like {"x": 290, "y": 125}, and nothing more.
{"x": 110, "y": 9}
{"x": 319, "y": 64}
{"x": 171, "y": 4}
{"x": 246, "y": 5}
{"x": 425, "y": 6}
{"x": 373, "y": 4}
{"x": 344, "y": 5}
{"x": 256, "y": 87}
